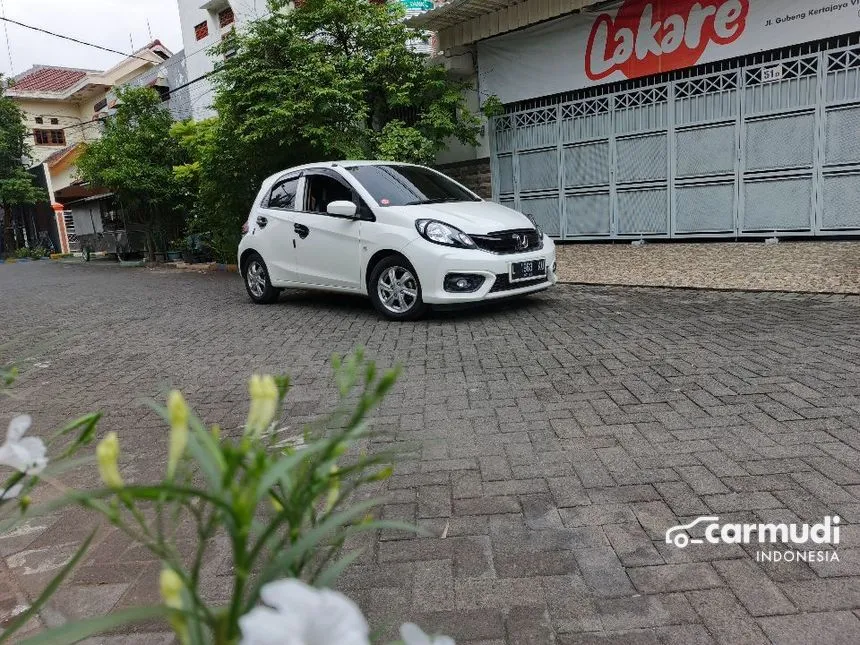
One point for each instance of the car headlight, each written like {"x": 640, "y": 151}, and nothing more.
{"x": 537, "y": 227}
{"x": 441, "y": 233}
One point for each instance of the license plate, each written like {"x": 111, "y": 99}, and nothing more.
{"x": 528, "y": 270}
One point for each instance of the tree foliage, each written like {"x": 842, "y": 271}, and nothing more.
{"x": 135, "y": 158}
{"x": 334, "y": 79}
{"x": 16, "y": 184}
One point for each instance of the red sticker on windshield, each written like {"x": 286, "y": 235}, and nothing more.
{"x": 384, "y": 202}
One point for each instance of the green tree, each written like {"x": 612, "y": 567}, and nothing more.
{"x": 334, "y": 79}
{"x": 16, "y": 184}
{"x": 135, "y": 158}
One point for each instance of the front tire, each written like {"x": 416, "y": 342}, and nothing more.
{"x": 395, "y": 290}
{"x": 257, "y": 281}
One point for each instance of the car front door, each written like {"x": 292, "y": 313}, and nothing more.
{"x": 275, "y": 225}
{"x": 327, "y": 246}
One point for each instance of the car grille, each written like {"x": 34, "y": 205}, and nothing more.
{"x": 507, "y": 242}
{"x": 503, "y": 283}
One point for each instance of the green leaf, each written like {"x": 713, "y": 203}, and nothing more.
{"x": 23, "y": 618}
{"x": 77, "y": 631}
{"x": 332, "y": 573}
{"x": 310, "y": 540}
{"x": 275, "y": 473}
{"x": 212, "y": 465}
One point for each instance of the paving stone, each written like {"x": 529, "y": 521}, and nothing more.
{"x": 725, "y": 618}
{"x": 434, "y": 501}
{"x": 838, "y": 628}
{"x": 825, "y": 594}
{"x": 639, "y": 612}
{"x": 494, "y": 593}
{"x": 753, "y": 588}
{"x": 665, "y": 578}
{"x": 604, "y": 573}
{"x": 632, "y": 545}
{"x": 596, "y": 515}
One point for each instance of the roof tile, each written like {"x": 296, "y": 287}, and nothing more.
{"x": 47, "y": 79}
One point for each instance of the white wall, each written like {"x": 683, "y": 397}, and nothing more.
{"x": 198, "y": 60}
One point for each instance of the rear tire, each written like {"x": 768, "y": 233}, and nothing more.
{"x": 395, "y": 290}
{"x": 257, "y": 281}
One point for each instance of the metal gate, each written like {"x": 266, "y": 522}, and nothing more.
{"x": 769, "y": 148}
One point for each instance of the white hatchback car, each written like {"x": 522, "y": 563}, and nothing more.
{"x": 405, "y": 235}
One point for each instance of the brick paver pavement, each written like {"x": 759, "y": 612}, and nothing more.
{"x": 553, "y": 442}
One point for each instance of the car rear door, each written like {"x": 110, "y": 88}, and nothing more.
{"x": 327, "y": 246}
{"x": 274, "y": 224}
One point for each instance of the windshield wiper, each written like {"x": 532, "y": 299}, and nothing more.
{"x": 437, "y": 200}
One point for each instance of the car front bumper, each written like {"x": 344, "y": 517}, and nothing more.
{"x": 433, "y": 262}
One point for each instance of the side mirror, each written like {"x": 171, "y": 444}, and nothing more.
{"x": 342, "y": 208}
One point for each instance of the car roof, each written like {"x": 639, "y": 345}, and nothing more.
{"x": 342, "y": 163}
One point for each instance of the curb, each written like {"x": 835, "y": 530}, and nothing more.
{"x": 18, "y": 260}
{"x": 714, "y": 289}
{"x": 209, "y": 267}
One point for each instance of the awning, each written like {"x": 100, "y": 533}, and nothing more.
{"x": 455, "y": 12}
{"x": 461, "y": 22}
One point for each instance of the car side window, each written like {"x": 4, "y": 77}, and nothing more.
{"x": 283, "y": 194}
{"x": 322, "y": 190}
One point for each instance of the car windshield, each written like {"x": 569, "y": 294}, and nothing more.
{"x": 397, "y": 185}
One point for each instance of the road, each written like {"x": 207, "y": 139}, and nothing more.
{"x": 553, "y": 441}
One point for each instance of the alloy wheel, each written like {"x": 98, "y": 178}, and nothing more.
{"x": 397, "y": 289}
{"x": 256, "y": 278}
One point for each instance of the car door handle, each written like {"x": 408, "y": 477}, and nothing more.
{"x": 301, "y": 230}
{"x": 262, "y": 221}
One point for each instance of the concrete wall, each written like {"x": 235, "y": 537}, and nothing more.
{"x": 68, "y": 115}
{"x": 198, "y": 60}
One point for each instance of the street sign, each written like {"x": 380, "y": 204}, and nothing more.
{"x": 417, "y": 5}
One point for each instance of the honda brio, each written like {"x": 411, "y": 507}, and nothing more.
{"x": 405, "y": 235}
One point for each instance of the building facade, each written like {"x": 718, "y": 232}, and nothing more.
{"x": 62, "y": 109}
{"x": 665, "y": 119}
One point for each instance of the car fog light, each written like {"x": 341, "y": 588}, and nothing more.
{"x": 463, "y": 282}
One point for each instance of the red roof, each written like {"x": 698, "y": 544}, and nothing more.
{"x": 47, "y": 79}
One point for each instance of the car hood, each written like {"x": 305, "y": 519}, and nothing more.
{"x": 478, "y": 218}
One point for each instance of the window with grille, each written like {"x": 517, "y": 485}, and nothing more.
{"x": 101, "y": 105}
{"x": 40, "y": 120}
{"x": 50, "y": 137}
{"x": 201, "y": 30}
{"x": 226, "y": 17}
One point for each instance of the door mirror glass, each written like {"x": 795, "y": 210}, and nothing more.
{"x": 342, "y": 208}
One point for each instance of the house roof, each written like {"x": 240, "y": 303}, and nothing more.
{"x": 44, "y": 78}
{"x": 55, "y": 158}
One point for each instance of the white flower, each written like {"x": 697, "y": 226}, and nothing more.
{"x": 11, "y": 493}
{"x": 413, "y": 635}
{"x": 297, "y": 614}
{"x": 25, "y": 454}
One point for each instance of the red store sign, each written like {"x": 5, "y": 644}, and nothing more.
{"x": 646, "y": 37}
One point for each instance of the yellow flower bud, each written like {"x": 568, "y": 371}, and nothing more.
{"x": 171, "y": 587}
{"x": 177, "y": 412}
{"x": 107, "y": 453}
{"x": 264, "y": 403}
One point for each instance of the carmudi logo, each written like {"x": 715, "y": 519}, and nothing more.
{"x": 648, "y": 37}
{"x": 769, "y": 535}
